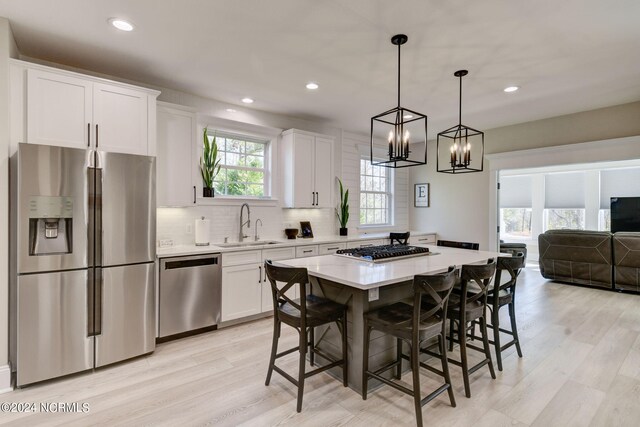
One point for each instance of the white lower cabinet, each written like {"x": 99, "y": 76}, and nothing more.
{"x": 241, "y": 284}
{"x": 426, "y": 239}
{"x": 275, "y": 255}
{"x": 241, "y": 291}
{"x": 367, "y": 243}
{"x": 331, "y": 248}
{"x": 306, "y": 251}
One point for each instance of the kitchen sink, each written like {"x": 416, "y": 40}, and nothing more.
{"x": 245, "y": 244}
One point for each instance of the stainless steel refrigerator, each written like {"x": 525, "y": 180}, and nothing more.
{"x": 84, "y": 288}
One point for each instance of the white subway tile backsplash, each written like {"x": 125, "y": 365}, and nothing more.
{"x": 172, "y": 223}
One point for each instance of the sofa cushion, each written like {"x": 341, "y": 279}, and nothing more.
{"x": 626, "y": 258}
{"x": 576, "y": 256}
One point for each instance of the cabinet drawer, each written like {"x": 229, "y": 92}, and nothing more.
{"x": 241, "y": 257}
{"x": 366, "y": 243}
{"x": 278, "y": 254}
{"x": 330, "y": 248}
{"x": 305, "y": 251}
{"x": 426, "y": 239}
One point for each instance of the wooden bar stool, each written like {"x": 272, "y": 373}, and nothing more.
{"x": 501, "y": 295}
{"x": 399, "y": 238}
{"x": 461, "y": 245}
{"x": 414, "y": 324}
{"x": 469, "y": 304}
{"x": 303, "y": 314}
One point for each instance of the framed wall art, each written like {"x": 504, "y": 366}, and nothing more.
{"x": 421, "y": 196}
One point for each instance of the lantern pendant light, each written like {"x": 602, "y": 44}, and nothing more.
{"x": 399, "y": 132}
{"x": 460, "y": 141}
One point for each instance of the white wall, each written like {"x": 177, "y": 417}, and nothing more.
{"x": 7, "y": 49}
{"x": 458, "y": 206}
{"x": 462, "y": 207}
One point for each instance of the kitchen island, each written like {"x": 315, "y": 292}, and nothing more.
{"x": 364, "y": 286}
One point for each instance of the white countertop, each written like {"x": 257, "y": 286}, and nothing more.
{"x": 366, "y": 275}
{"x": 183, "y": 250}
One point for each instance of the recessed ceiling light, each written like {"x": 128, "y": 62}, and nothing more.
{"x": 408, "y": 116}
{"x": 247, "y": 100}
{"x": 511, "y": 89}
{"x": 231, "y": 110}
{"x": 121, "y": 24}
{"x": 312, "y": 86}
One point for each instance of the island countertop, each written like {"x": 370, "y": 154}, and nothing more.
{"x": 367, "y": 275}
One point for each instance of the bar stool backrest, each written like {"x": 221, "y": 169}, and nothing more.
{"x": 461, "y": 245}
{"x": 511, "y": 265}
{"x": 479, "y": 276}
{"x": 401, "y": 238}
{"x": 438, "y": 288}
{"x": 290, "y": 276}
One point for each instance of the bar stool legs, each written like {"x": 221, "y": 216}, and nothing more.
{"x": 301, "y": 376}
{"x": 274, "y": 350}
{"x": 514, "y": 328}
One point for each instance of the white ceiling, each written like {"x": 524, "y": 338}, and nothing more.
{"x": 567, "y": 56}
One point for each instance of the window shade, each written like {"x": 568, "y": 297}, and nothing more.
{"x": 618, "y": 183}
{"x": 564, "y": 190}
{"x": 515, "y": 191}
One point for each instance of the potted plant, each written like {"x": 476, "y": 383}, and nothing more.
{"x": 209, "y": 164}
{"x": 342, "y": 211}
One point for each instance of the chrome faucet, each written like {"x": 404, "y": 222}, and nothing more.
{"x": 255, "y": 236}
{"x": 241, "y": 235}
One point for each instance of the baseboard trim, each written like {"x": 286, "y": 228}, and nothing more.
{"x": 5, "y": 379}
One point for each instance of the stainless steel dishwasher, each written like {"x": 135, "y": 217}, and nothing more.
{"x": 190, "y": 294}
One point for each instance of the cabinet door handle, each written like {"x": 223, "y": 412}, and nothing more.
{"x": 317, "y": 198}
{"x": 333, "y": 249}
{"x": 194, "y": 194}
{"x": 96, "y": 136}
{"x": 88, "y": 134}
{"x": 259, "y": 274}
{"x": 306, "y": 252}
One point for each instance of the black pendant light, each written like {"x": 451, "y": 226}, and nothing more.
{"x": 399, "y": 131}
{"x": 460, "y": 142}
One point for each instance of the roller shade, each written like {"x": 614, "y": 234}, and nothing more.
{"x": 618, "y": 183}
{"x": 564, "y": 190}
{"x": 515, "y": 191}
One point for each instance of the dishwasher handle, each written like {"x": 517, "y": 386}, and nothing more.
{"x": 190, "y": 262}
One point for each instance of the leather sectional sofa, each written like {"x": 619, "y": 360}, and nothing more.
{"x": 592, "y": 258}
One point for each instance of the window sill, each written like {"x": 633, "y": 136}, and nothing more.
{"x": 236, "y": 201}
{"x": 375, "y": 227}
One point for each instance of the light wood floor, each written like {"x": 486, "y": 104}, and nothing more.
{"x": 581, "y": 367}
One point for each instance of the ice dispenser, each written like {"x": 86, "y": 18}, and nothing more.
{"x": 50, "y": 225}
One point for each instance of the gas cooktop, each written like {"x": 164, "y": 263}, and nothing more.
{"x": 384, "y": 252}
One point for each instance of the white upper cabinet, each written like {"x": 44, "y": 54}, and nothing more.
{"x": 308, "y": 169}
{"x": 59, "y": 109}
{"x": 120, "y": 119}
{"x": 73, "y": 110}
{"x": 174, "y": 162}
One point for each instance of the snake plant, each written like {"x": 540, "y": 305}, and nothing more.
{"x": 209, "y": 162}
{"x": 342, "y": 211}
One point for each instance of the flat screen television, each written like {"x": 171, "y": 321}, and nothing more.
{"x": 625, "y": 214}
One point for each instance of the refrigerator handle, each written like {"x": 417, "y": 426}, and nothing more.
{"x": 97, "y": 317}
{"x": 98, "y": 219}
{"x": 91, "y": 304}
{"x": 91, "y": 197}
